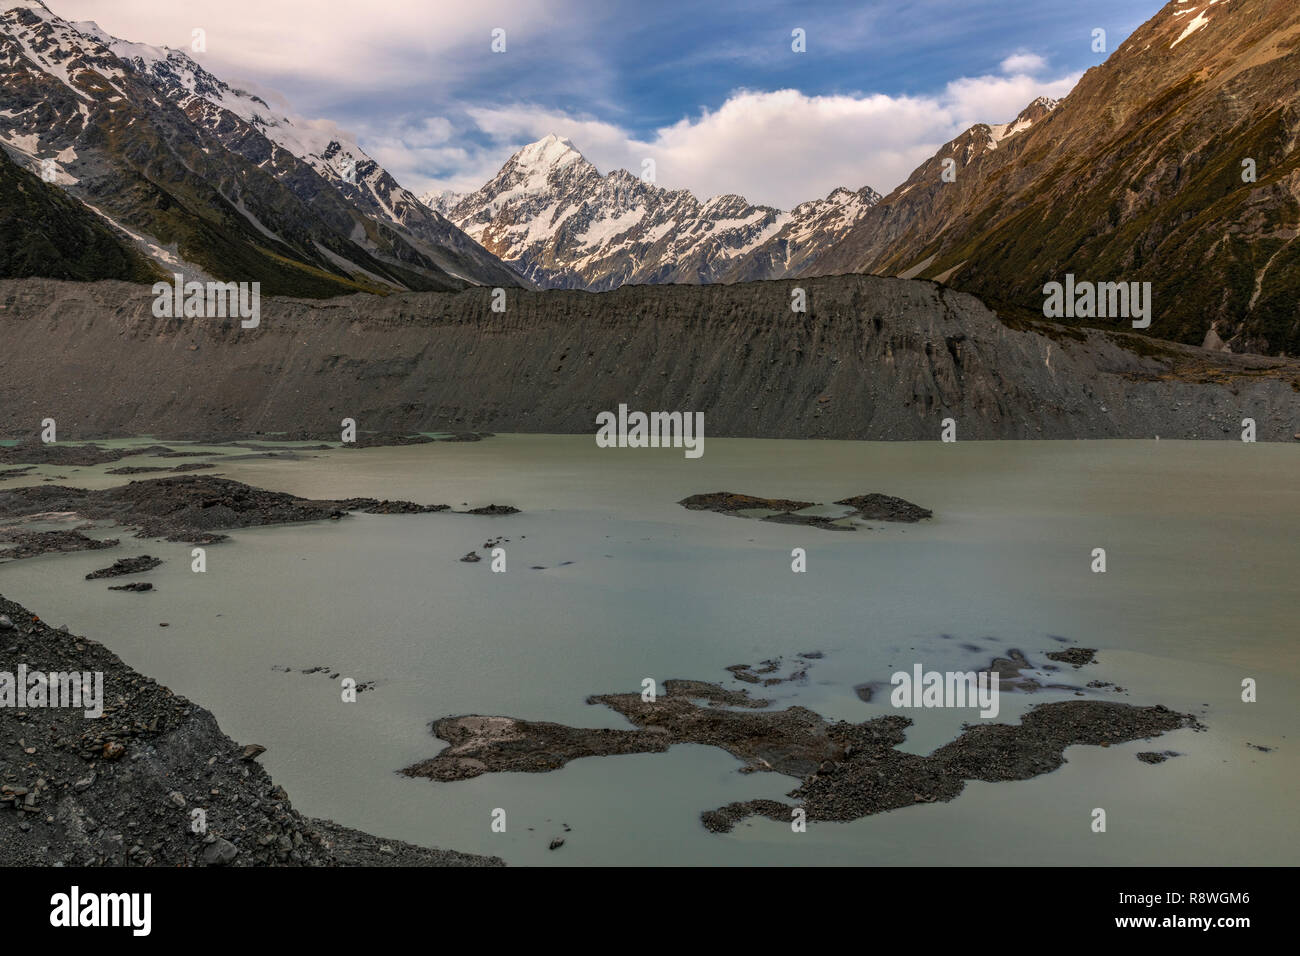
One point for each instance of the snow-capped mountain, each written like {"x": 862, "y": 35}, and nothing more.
{"x": 210, "y": 179}
{"x": 551, "y": 215}
{"x": 442, "y": 202}
{"x": 808, "y": 229}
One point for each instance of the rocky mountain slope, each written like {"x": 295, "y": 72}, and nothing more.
{"x": 551, "y": 215}
{"x": 1140, "y": 174}
{"x": 45, "y": 232}
{"x": 873, "y": 358}
{"x": 208, "y": 180}
{"x": 121, "y": 789}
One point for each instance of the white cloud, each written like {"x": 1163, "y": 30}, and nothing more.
{"x": 997, "y": 99}
{"x": 778, "y": 148}
{"x": 1019, "y": 63}
{"x": 369, "y": 46}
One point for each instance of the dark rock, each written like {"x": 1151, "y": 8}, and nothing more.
{"x": 878, "y": 507}
{"x": 812, "y": 521}
{"x": 729, "y": 502}
{"x": 126, "y": 566}
{"x": 1075, "y": 656}
{"x": 192, "y": 507}
{"x": 1154, "y": 757}
{"x": 30, "y": 544}
{"x": 220, "y": 852}
{"x": 847, "y": 770}
{"x": 492, "y": 510}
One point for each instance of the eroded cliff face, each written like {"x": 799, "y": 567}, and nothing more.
{"x": 872, "y": 358}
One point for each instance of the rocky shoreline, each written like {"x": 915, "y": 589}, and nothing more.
{"x": 81, "y": 453}
{"x": 31, "y": 544}
{"x": 197, "y": 508}
{"x": 122, "y": 789}
{"x": 847, "y": 770}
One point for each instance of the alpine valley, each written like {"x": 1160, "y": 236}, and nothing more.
{"x": 1173, "y": 162}
{"x": 412, "y": 489}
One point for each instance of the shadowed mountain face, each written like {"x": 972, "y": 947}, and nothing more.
{"x": 45, "y": 232}
{"x": 1143, "y": 173}
{"x": 207, "y": 180}
{"x": 551, "y": 215}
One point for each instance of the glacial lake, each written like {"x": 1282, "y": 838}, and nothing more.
{"x": 1201, "y": 591}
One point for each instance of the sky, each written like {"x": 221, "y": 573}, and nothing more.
{"x": 711, "y": 90}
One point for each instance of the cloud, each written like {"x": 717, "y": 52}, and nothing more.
{"x": 1020, "y": 63}
{"x": 368, "y": 46}
{"x": 417, "y": 83}
{"x": 779, "y": 148}
{"x": 997, "y": 99}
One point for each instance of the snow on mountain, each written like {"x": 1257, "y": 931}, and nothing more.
{"x": 1031, "y": 114}
{"x": 320, "y": 143}
{"x": 806, "y": 230}
{"x": 97, "y": 69}
{"x": 551, "y": 214}
{"x": 1201, "y": 9}
{"x": 441, "y": 201}
{"x": 334, "y": 154}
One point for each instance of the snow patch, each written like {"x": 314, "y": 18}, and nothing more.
{"x": 1199, "y": 22}
{"x": 603, "y": 230}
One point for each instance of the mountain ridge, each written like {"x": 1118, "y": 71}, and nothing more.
{"x": 551, "y": 214}
{"x": 1138, "y": 175}
{"x": 202, "y": 177}
{"x": 872, "y": 359}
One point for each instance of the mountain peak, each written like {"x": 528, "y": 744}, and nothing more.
{"x": 550, "y": 214}
{"x": 1038, "y": 109}
{"x": 550, "y": 151}
{"x": 1030, "y": 115}
{"x": 33, "y": 5}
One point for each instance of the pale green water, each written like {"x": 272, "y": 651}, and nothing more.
{"x": 1203, "y": 546}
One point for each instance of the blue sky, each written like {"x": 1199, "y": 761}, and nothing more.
{"x": 711, "y": 91}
